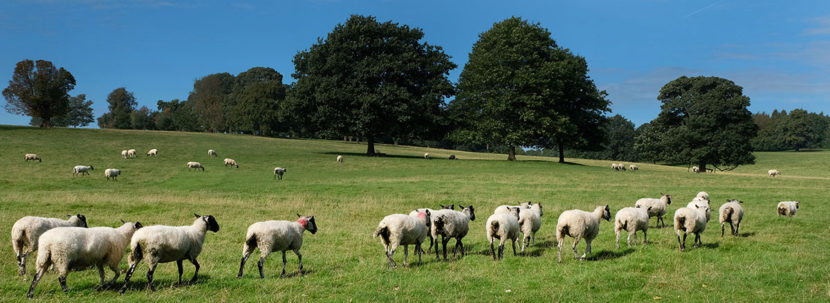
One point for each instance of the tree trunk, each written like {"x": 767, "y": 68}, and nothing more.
{"x": 370, "y": 147}
{"x": 701, "y": 168}
{"x": 561, "y": 151}
{"x": 45, "y": 123}
{"x": 511, "y": 153}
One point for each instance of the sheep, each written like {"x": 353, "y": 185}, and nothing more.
{"x": 32, "y": 157}
{"x": 452, "y": 224}
{"x": 131, "y": 153}
{"x": 530, "y": 221}
{"x": 81, "y": 169}
{"x": 77, "y": 248}
{"x": 787, "y": 208}
{"x": 230, "y": 162}
{"x": 631, "y": 219}
{"x": 690, "y": 220}
{"x": 212, "y": 153}
{"x": 614, "y": 166}
{"x": 633, "y": 167}
{"x": 731, "y": 212}
{"x": 112, "y": 173}
{"x": 658, "y": 207}
{"x": 703, "y": 196}
{"x": 278, "y": 172}
{"x": 452, "y": 157}
{"x": 503, "y": 227}
{"x": 580, "y": 224}
{"x": 773, "y": 173}
{"x": 124, "y": 154}
{"x": 399, "y": 229}
{"x": 426, "y": 156}
{"x": 702, "y": 204}
{"x": 339, "y": 159}
{"x": 271, "y": 236}
{"x": 695, "y": 169}
{"x": 431, "y": 225}
{"x": 506, "y": 209}
{"x": 162, "y": 244}
{"x": 194, "y": 165}
{"x": 153, "y": 152}
{"x": 618, "y": 166}
{"x": 27, "y": 230}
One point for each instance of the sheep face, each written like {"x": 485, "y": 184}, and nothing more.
{"x": 606, "y": 214}
{"x": 469, "y": 210}
{"x": 80, "y": 217}
{"x": 308, "y": 223}
{"x": 515, "y": 211}
{"x": 668, "y": 198}
{"x": 451, "y": 206}
{"x": 211, "y": 222}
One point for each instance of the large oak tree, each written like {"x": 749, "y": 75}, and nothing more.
{"x": 40, "y": 90}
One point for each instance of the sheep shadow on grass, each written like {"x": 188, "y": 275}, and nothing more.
{"x": 610, "y": 254}
{"x": 749, "y": 234}
{"x": 296, "y": 274}
{"x": 159, "y": 284}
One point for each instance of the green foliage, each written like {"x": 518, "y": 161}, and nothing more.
{"x": 619, "y": 143}
{"x": 40, "y": 90}
{"x": 121, "y": 105}
{"x": 703, "y": 120}
{"x": 520, "y": 89}
{"x": 259, "y": 95}
{"x": 175, "y": 115}
{"x": 794, "y": 131}
{"x": 79, "y": 114}
{"x": 142, "y": 118}
{"x": 370, "y": 79}
{"x": 210, "y": 101}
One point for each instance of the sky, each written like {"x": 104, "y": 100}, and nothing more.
{"x": 778, "y": 51}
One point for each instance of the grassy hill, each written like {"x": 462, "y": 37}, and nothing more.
{"x": 774, "y": 259}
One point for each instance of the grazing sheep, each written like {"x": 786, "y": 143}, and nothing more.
{"x": 631, "y": 219}
{"x": 131, "y": 153}
{"x": 530, "y": 221}
{"x": 580, "y": 224}
{"x": 77, "y": 248}
{"x": 695, "y": 169}
{"x": 32, "y": 157}
{"x": 452, "y": 224}
{"x": 614, "y": 166}
{"x": 787, "y": 208}
{"x": 633, "y": 167}
{"x": 212, "y": 153}
{"x": 399, "y": 229}
{"x": 153, "y": 152}
{"x": 773, "y": 173}
{"x": 339, "y": 159}
{"x": 658, "y": 207}
{"x": 271, "y": 236}
{"x": 690, "y": 220}
{"x": 194, "y": 165}
{"x": 81, "y": 170}
{"x": 618, "y": 166}
{"x": 452, "y": 157}
{"x": 162, "y": 244}
{"x": 503, "y": 227}
{"x": 731, "y": 212}
{"x": 27, "y": 230}
{"x": 278, "y": 172}
{"x": 231, "y": 162}
{"x": 112, "y": 173}
{"x": 426, "y": 156}
{"x": 124, "y": 154}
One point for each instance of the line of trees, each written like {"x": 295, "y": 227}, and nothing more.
{"x": 519, "y": 93}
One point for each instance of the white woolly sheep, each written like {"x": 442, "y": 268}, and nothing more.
{"x": 703, "y": 196}
{"x": 399, "y": 229}
{"x": 431, "y": 225}
{"x": 161, "y": 244}
{"x": 32, "y": 157}
{"x": 124, "y": 154}
{"x": 695, "y": 169}
{"x": 426, "y": 156}
{"x": 618, "y": 166}
{"x": 81, "y": 170}
{"x": 194, "y": 165}
{"x": 112, "y": 173}
{"x": 231, "y": 162}
{"x": 131, "y": 153}
{"x": 506, "y": 209}
{"x": 731, "y": 212}
{"x": 787, "y": 208}
{"x": 339, "y": 159}
{"x": 773, "y": 173}
{"x": 212, "y": 153}
{"x": 658, "y": 207}
{"x": 27, "y": 230}
{"x": 580, "y": 224}
{"x": 278, "y": 172}
{"x": 153, "y": 152}
{"x": 530, "y": 221}
{"x": 77, "y": 248}
{"x": 271, "y": 236}
{"x": 633, "y": 167}
{"x": 690, "y": 220}
{"x": 702, "y": 204}
{"x": 503, "y": 227}
{"x": 452, "y": 224}
{"x": 631, "y": 219}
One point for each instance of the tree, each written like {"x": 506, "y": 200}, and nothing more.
{"x": 800, "y": 129}
{"x": 142, "y": 118}
{"x": 211, "y": 102}
{"x": 79, "y": 114}
{"x": 121, "y": 105}
{"x": 620, "y": 139}
{"x": 704, "y": 120}
{"x": 646, "y": 143}
{"x": 258, "y": 94}
{"x": 39, "y": 89}
{"x": 370, "y": 79}
{"x": 520, "y": 89}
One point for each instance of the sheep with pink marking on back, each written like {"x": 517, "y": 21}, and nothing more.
{"x": 399, "y": 229}
{"x": 276, "y": 236}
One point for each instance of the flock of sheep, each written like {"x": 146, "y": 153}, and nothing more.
{"x": 71, "y": 245}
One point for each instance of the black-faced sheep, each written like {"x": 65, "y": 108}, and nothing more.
{"x": 731, "y": 212}
{"x": 450, "y": 224}
{"x": 231, "y": 162}
{"x": 690, "y": 220}
{"x": 81, "y": 170}
{"x": 279, "y": 172}
{"x": 271, "y": 236}
{"x": 503, "y": 227}
{"x": 787, "y": 208}
{"x": 399, "y": 229}
{"x": 631, "y": 219}
{"x": 27, "y": 231}
{"x": 580, "y": 224}
{"x": 32, "y": 157}
{"x": 658, "y": 207}
{"x": 194, "y": 165}
{"x": 112, "y": 173}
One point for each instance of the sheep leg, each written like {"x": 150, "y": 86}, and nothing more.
{"x": 196, "y": 273}
{"x": 115, "y": 270}
{"x": 587, "y": 249}
{"x": 460, "y": 246}
{"x": 525, "y": 239}
{"x": 436, "y": 248}
{"x": 444, "y": 242}
{"x": 514, "y": 247}
{"x": 493, "y": 251}
{"x": 181, "y": 270}
{"x": 559, "y": 246}
{"x": 628, "y": 240}
{"x": 128, "y": 276}
{"x": 698, "y": 242}
{"x": 737, "y": 227}
{"x": 682, "y": 244}
{"x": 618, "y": 239}
{"x": 62, "y": 281}
{"x": 405, "y": 254}
{"x": 576, "y": 253}
{"x": 150, "y": 277}
{"x": 645, "y": 237}
{"x": 35, "y": 280}
{"x": 722, "y": 228}
{"x": 391, "y": 262}
{"x": 21, "y": 261}
{"x": 102, "y": 275}
{"x": 732, "y": 228}
{"x": 419, "y": 250}
{"x": 429, "y": 250}
{"x": 501, "y": 249}
{"x": 300, "y": 259}
{"x": 283, "y": 263}
{"x": 533, "y": 238}
{"x": 242, "y": 263}
{"x": 259, "y": 265}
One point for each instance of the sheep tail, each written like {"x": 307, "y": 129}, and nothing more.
{"x": 680, "y": 223}
{"x": 728, "y": 212}
{"x": 562, "y": 231}
{"x": 136, "y": 254}
{"x": 250, "y": 242}
{"x": 623, "y": 224}
{"x": 382, "y": 231}
{"x": 782, "y": 211}
{"x": 494, "y": 227}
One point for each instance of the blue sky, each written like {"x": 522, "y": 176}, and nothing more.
{"x": 779, "y": 51}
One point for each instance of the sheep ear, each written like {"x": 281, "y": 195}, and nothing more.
{"x": 298, "y": 216}
{"x": 122, "y": 221}
{"x": 68, "y": 216}
{"x": 727, "y": 200}
{"x": 196, "y": 215}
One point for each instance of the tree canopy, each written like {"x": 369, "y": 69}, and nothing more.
{"x": 370, "y": 79}
{"x": 520, "y": 88}
{"x": 39, "y": 89}
{"x": 121, "y": 106}
{"x": 703, "y": 121}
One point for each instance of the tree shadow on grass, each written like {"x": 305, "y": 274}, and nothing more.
{"x": 351, "y": 154}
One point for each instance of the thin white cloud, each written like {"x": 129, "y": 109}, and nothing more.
{"x": 700, "y": 10}
{"x": 820, "y": 26}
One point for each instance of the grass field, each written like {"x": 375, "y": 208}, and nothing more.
{"x": 775, "y": 259}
